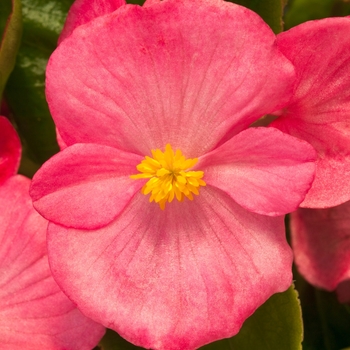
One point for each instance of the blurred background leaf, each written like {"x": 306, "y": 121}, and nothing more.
{"x": 299, "y": 11}
{"x": 10, "y": 38}
{"x": 326, "y": 321}
{"x": 25, "y": 91}
{"x": 113, "y": 341}
{"x": 270, "y": 10}
{"x": 6, "y": 9}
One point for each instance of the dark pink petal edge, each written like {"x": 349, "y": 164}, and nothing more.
{"x": 10, "y": 150}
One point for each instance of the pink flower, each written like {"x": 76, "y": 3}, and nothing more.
{"x": 319, "y": 113}
{"x": 34, "y": 312}
{"x": 320, "y": 108}
{"x": 154, "y": 103}
{"x": 320, "y": 239}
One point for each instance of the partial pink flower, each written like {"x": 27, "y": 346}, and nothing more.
{"x": 34, "y": 312}
{"x": 320, "y": 108}
{"x": 10, "y": 150}
{"x": 83, "y": 11}
{"x": 321, "y": 245}
{"x": 154, "y": 104}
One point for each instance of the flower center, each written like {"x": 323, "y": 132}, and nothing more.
{"x": 168, "y": 176}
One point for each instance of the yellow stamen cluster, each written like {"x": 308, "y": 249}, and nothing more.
{"x": 168, "y": 178}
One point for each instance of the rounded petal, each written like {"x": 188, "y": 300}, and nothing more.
{"x": 179, "y": 72}
{"x": 85, "y": 186}
{"x": 320, "y": 240}
{"x": 262, "y": 169}
{"x": 34, "y": 312}
{"x": 83, "y": 11}
{"x": 10, "y": 150}
{"x": 178, "y": 278}
{"x": 320, "y": 109}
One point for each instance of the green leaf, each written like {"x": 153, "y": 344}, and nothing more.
{"x": 275, "y": 325}
{"x": 25, "y": 91}
{"x": 299, "y": 11}
{"x": 6, "y": 9}
{"x": 270, "y": 10}
{"x": 341, "y": 8}
{"x": 113, "y": 341}
{"x": 11, "y": 29}
{"x": 136, "y": 2}
{"x": 326, "y": 321}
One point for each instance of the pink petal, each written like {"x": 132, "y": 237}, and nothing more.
{"x": 34, "y": 313}
{"x": 10, "y": 150}
{"x": 179, "y": 72}
{"x": 320, "y": 109}
{"x": 320, "y": 239}
{"x": 262, "y": 169}
{"x": 85, "y": 186}
{"x": 60, "y": 141}
{"x": 83, "y": 11}
{"x": 178, "y": 278}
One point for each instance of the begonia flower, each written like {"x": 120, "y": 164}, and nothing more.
{"x": 319, "y": 113}
{"x": 320, "y": 108}
{"x": 321, "y": 245}
{"x": 34, "y": 312}
{"x": 165, "y": 209}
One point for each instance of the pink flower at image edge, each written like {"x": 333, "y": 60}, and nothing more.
{"x": 319, "y": 113}
{"x": 320, "y": 241}
{"x": 34, "y": 312}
